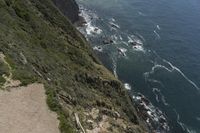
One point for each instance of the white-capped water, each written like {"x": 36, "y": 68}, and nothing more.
{"x": 158, "y": 27}
{"x": 157, "y": 34}
{"x": 90, "y": 28}
{"x": 132, "y": 35}
{"x": 127, "y": 86}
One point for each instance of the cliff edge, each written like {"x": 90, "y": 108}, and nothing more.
{"x": 69, "y": 8}
{"x": 41, "y": 45}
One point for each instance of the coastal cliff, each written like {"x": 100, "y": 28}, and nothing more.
{"x": 41, "y": 45}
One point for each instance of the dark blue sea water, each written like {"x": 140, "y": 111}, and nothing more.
{"x": 156, "y": 50}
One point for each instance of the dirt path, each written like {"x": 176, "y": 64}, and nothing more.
{"x": 9, "y": 81}
{"x": 24, "y": 110}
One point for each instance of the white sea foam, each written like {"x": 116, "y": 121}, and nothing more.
{"x": 156, "y": 66}
{"x": 91, "y": 30}
{"x": 127, "y": 86}
{"x": 158, "y": 27}
{"x": 158, "y": 92}
{"x": 114, "y": 63}
{"x": 191, "y": 131}
{"x": 154, "y": 81}
{"x": 134, "y": 39}
{"x": 113, "y": 20}
{"x": 89, "y": 27}
{"x": 98, "y": 48}
{"x": 164, "y": 100}
{"x": 153, "y": 115}
{"x": 141, "y": 14}
{"x": 172, "y": 69}
{"x": 123, "y": 42}
{"x": 114, "y": 25}
{"x": 154, "y": 91}
{"x": 114, "y": 37}
{"x": 122, "y": 51}
{"x": 138, "y": 44}
{"x": 130, "y": 40}
{"x": 157, "y": 35}
{"x": 175, "y": 68}
{"x": 120, "y": 37}
{"x": 198, "y": 118}
{"x": 138, "y": 48}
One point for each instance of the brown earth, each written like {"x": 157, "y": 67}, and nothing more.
{"x": 24, "y": 110}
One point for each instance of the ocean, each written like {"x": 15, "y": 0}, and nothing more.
{"x": 153, "y": 47}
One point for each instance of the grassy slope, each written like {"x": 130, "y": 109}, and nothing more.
{"x": 41, "y": 45}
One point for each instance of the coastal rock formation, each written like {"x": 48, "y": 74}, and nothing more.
{"x": 41, "y": 45}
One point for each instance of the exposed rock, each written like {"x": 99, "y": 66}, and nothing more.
{"x": 79, "y": 123}
{"x": 57, "y": 55}
{"x": 108, "y": 41}
{"x": 67, "y": 98}
{"x": 94, "y": 113}
{"x": 101, "y": 103}
{"x": 9, "y": 81}
{"x": 110, "y": 113}
{"x": 102, "y": 126}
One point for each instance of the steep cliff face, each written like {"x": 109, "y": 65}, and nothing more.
{"x": 69, "y": 8}
{"x": 41, "y": 45}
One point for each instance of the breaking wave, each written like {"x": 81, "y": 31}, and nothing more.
{"x": 158, "y": 27}
{"x": 89, "y": 28}
{"x": 98, "y": 48}
{"x": 157, "y": 35}
{"x": 154, "y": 117}
{"x": 159, "y": 96}
{"x": 127, "y": 86}
{"x": 178, "y": 70}
{"x": 171, "y": 69}
{"x": 124, "y": 43}
{"x": 114, "y": 63}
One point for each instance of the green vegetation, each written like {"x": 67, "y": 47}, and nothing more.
{"x": 2, "y": 81}
{"x": 4, "y": 70}
{"x": 64, "y": 124}
{"x": 41, "y": 45}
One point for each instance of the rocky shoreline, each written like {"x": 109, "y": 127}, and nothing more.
{"x": 153, "y": 117}
{"x": 44, "y": 47}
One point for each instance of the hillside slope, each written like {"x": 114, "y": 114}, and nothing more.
{"x": 41, "y": 45}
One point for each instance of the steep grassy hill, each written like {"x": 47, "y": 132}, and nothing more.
{"x": 41, "y": 45}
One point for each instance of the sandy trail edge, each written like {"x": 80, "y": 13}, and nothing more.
{"x": 24, "y": 110}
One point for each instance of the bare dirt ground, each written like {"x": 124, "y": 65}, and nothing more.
{"x": 24, "y": 110}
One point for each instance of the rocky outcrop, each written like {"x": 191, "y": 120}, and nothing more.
{"x": 69, "y": 8}
{"x": 41, "y": 45}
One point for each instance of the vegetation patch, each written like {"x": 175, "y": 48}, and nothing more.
{"x": 4, "y": 70}
{"x": 41, "y": 45}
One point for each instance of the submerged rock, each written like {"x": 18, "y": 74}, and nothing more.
{"x": 56, "y": 54}
{"x": 108, "y": 40}
{"x": 153, "y": 116}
